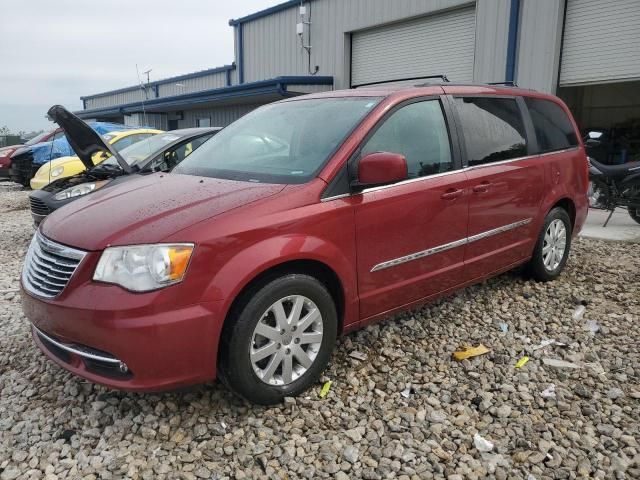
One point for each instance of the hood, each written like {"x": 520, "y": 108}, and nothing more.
{"x": 84, "y": 140}
{"x": 148, "y": 209}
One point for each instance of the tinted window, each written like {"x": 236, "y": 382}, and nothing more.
{"x": 552, "y": 125}
{"x": 419, "y": 132}
{"x": 284, "y": 142}
{"x": 493, "y": 129}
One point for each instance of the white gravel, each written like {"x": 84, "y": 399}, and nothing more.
{"x": 406, "y": 411}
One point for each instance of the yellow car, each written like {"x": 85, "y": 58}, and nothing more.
{"x": 68, "y": 166}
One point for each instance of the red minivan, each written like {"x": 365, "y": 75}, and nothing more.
{"x": 305, "y": 219}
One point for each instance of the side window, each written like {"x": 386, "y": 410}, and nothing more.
{"x": 493, "y": 129}
{"x": 554, "y": 130}
{"x": 130, "y": 140}
{"x": 419, "y": 132}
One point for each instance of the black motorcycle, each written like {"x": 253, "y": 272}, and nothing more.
{"x": 613, "y": 186}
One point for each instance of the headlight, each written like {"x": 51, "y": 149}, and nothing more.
{"x": 76, "y": 191}
{"x": 142, "y": 268}
{"x": 56, "y": 172}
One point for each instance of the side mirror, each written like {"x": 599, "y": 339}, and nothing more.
{"x": 380, "y": 168}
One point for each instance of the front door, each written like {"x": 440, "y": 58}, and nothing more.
{"x": 410, "y": 235}
{"x": 506, "y": 183}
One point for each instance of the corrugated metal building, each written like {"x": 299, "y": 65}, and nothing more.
{"x": 587, "y": 51}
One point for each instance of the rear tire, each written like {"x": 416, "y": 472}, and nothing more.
{"x": 552, "y": 248}
{"x": 278, "y": 339}
{"x": 634, "y": 213}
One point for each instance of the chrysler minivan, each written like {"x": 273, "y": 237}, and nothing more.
{"x": 303, "y": 220}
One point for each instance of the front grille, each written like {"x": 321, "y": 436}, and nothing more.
{"x": 38, "y": 207}
{"x": 48, "y": 266}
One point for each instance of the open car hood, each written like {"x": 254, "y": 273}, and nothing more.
{"x": 83, "y": 139}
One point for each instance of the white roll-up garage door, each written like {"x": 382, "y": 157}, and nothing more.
{"x": 601, "y": 42}
{"x": 437, "y": 44}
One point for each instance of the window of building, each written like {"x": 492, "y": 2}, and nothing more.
{"x": 204, "y": 122}
{"x": 419, "y": 132}
{"x": 553, "y": 128}
{"x": 493, "y": 129}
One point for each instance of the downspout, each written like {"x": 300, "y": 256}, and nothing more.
{"x": 512, "y": 42}
{"x": 240, "y": 54}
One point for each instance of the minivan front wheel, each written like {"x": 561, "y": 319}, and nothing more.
{"x": 553, "y": 245}
{"x": 279, "y": 339}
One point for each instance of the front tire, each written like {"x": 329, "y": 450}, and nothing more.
{"x": 598, "y": 194}
{"x": 552, "y": 248}
{"x": 278, "y": 339}
{"x": 634, "y": 213}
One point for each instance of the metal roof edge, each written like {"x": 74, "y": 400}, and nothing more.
{"x": 265, "y": 13}
{"x": 275, "y": 85}
{"x": 201, "y": 73}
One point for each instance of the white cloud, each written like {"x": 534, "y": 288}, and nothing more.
{"x": 56, "y": 51}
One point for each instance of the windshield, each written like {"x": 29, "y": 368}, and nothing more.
{"x": 37, "y": 138}
{"x": 279, "y": 143}
{"x": 139, "y": 152}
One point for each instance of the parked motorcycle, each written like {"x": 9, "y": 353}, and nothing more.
{"x": 613, "y": 186}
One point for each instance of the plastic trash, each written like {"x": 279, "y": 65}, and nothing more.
{"x": 325, "y": 389}
{"x": 406, "y": 393}
{"x": 358, "y": 355}
{"x": 557, "y": 363}
{"x": 522, "y": 362}
{"x": 549, "y": 392}
{"x": 482, "y": 444}
{"x": 578, "y": 313}
{"x": 504, "y": 328}
{"x": 592, "y": 326}
{"x": 545, "y": 343}
{"x": 469, "y": 352}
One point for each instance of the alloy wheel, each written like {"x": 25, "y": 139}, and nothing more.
{"x": 555, "y": 244}
{"x": 286, "y": 340}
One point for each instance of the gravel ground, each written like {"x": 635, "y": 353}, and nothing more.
{"x": 407, "y": 410}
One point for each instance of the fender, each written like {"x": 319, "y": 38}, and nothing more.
{"x": 556, "y": 194}
{"x": 233, "y": 276}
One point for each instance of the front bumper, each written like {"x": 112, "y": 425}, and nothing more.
{"x": 37, "y": 183}
{"x": 134, "y": 346}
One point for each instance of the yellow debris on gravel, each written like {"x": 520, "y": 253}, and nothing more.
{"x": 469, "y": 352}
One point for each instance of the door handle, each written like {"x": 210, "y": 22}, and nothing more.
{"x": 452, "y": 194}
{"x": 482, "y": 188}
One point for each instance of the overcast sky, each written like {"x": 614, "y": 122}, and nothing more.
{"x": 54, "y": 51}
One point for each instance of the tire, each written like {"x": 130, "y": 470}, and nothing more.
{"x": 256, "y": 380}
{"x": 598, "y": 194}
{"x": 547, "y": 261}
{"x": 634, "y": 213}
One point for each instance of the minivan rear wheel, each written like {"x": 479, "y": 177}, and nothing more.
{"x": 553, "y": 245}
{"x": 279, "y": 339}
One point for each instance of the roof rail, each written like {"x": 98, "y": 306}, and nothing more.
{"x": 508, "y": 83}
{"x": 442, "y": 77}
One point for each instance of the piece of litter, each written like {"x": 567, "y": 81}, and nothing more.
{"x": 503, "y": 327}
{"x": 549, "y": 392}
{"x": 545, "y": 343}
{"x": 325, "y": 389}
{"x": 223, "y": 425}
{"x": 521, "y": 363}
{"x": 578, "y": 313}
{"x": 592, "y": 326}
{"x": 470, "y": 352}
{"x": 482, "y": 444}
{"x": 358, "y": 355}
{"x": 554, "y": 362}
{"x": 406, "y": 392}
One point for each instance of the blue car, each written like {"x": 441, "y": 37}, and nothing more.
{"x": 26, "y": 161}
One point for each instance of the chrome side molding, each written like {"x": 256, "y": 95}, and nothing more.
{"x": 448, "y": 246}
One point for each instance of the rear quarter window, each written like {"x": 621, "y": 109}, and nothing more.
{"x": 492, "y": 128}
{"x": 553, "y": 127}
